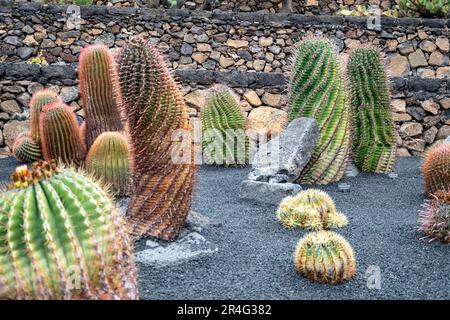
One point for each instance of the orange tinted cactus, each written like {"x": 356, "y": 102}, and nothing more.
{"x": 436, "y": 169}
{"x": 38, "y": 101}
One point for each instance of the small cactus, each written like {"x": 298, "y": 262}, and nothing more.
{"x": 224, "y": 141}
{"x": 108, "y": 160}
{"x": 326, "y": 257}
{"x": 61, "y": 237}
{"x": 98, "y": 77}
{"x": 38, "y": 101}
{"x": 25, "y": 149}
{"x": 434, "y": 219}
{"x": 311, "y": 209}
{"x": 436, "y": 169}
{"x": 60, "y": 135}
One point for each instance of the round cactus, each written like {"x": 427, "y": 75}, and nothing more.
{"x": 60, "y": 135}
{"x": 108, "y": 159}
{"x": 38, "y": 101}
{"x": 61, "y": 237}
{"x": 326, "y": 257}
{"x": 436, "y": 169}
{"x": 311, "y": 209}
{"x": 25, "y": 149}
{"x": 434, "y": 219}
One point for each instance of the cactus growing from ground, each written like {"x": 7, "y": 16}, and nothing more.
{"x": 60, "y": 135}
{"x": 374, "y": 146}
{"x": 311, "y": 209}
{"x": 108, "y": 160}
{"x": 224, "y": 141}
{"x": 318, "y": 90}
{"x": 25, "y": 149}
{"x": 38, "y": 101}
{"x": 436, "y": 169}
{"x": 159, "y": 130}
{"x": 434, "y": 219}
{"x": 326, "y": 257}
{"x": 61, "y": 237}
{"x": 98, "y": 77}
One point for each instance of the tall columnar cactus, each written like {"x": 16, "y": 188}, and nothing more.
{"x": 325, "y": 256}
{"x": 108, "y": 160}
{"x": 374, "y": 147}
{"x": 311, "y": 209}
{"x": 38, "y": 101}
{"x": 318, "y": 90}
{"x": 25, "y": 149}
{"x": 60, "y": 135}
{"x": 157, "y": 119}
{"x": 98, "y": 77}
{"x": 224, "y": 141}
{"x": 61, "y": 237}
{"x": 436, "y": 169}
{"x": 434, "y": 219}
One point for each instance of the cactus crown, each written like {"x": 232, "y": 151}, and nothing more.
{"x": 41, "y": 170}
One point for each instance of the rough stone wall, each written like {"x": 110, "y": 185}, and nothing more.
{"x": 247, "y": 51}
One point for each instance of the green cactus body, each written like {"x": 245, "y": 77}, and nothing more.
{"x": 317, "y": 90}
{"x": 60, "y": 135}
{"x": 108, "y": 160}
{"x": 97, "y": 76}
{"x": 157, "y": 119}
{"x": 61, "y": 237}
{"x": 224, "y": 141}
{"x": 374, "y": 148}
{"x": 25, "y": 149}
{"x": 426, "y": 8}
{"x": 38, "y": 101}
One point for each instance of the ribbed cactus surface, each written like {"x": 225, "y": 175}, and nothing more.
{"x": 318, "y": 90}
{"x": 98, "y": 77}
{"x": 38, "y": 101}
{"x": 434, "y": 219}
{"x": 60, "y": 135}
{"x": 25, "y": 149}
{"x": 436, "y": 169}
{"x": 374, "y": 147}
{"x": 224, "y": 141}
{"x": 108, "y": 160}
{"x": 157, "y": 120}
{"x": 61, "y": 237}
{"x": 325, "y": 256}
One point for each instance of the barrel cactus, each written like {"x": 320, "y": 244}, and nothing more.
{"x": 224, "y": 141}
{"x": 61, "y": 237}
{"x": 108, "y": 160}
{"x": 434, "y": 219}
{"x": 98, "y": 76}
{"x": 60, "y": 135}
{"x": 326, "y": 257}
{"x": 311, "y": 209}
{"x": 436, "y": 169}
{"x": 374, "y": 145}
{"x": 159, "y": 130}
{"x": 318, "y": 90}
{"x": 38, "y": 101}
{"x": 25, "y": 149}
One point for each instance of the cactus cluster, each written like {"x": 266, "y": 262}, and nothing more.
{"x": 318, "y": 90}
{"x": 224, "y": 141}
{"x": 434, "y": 219}
{"x": 61, "y": 237}
{"x": 157, "y": 121}
{"x": 426, "y": 8}
{"x": 312, "y": 210}
{"x": 373, "y": 135}
{"x": 326, "y": 257}
{"x": 436, "y": 169}
{"x": 25, "y": 149}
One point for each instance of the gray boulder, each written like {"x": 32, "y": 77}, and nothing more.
{"x": 265, "y": 192}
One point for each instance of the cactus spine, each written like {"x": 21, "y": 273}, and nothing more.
{"x": 325, "y": 256}
{"x": 97, "y": 76}
{"x": 434, "y": 219}
{"x": 374, "y": 146}
{"x": 61, "y": 237}
{"x": 60, "y": 134}
{"x": 436, "y": 169}
{"x": 223, "y": 130}
{"x": 38, "y": 101}
{"x": 154, "y": 111}
{"x": 317, "y": 89}
{"x": 25, "y": 149}
{"x": 108, "y": 160}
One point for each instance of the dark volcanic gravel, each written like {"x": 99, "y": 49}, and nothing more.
{"x": 254, "y": 260}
